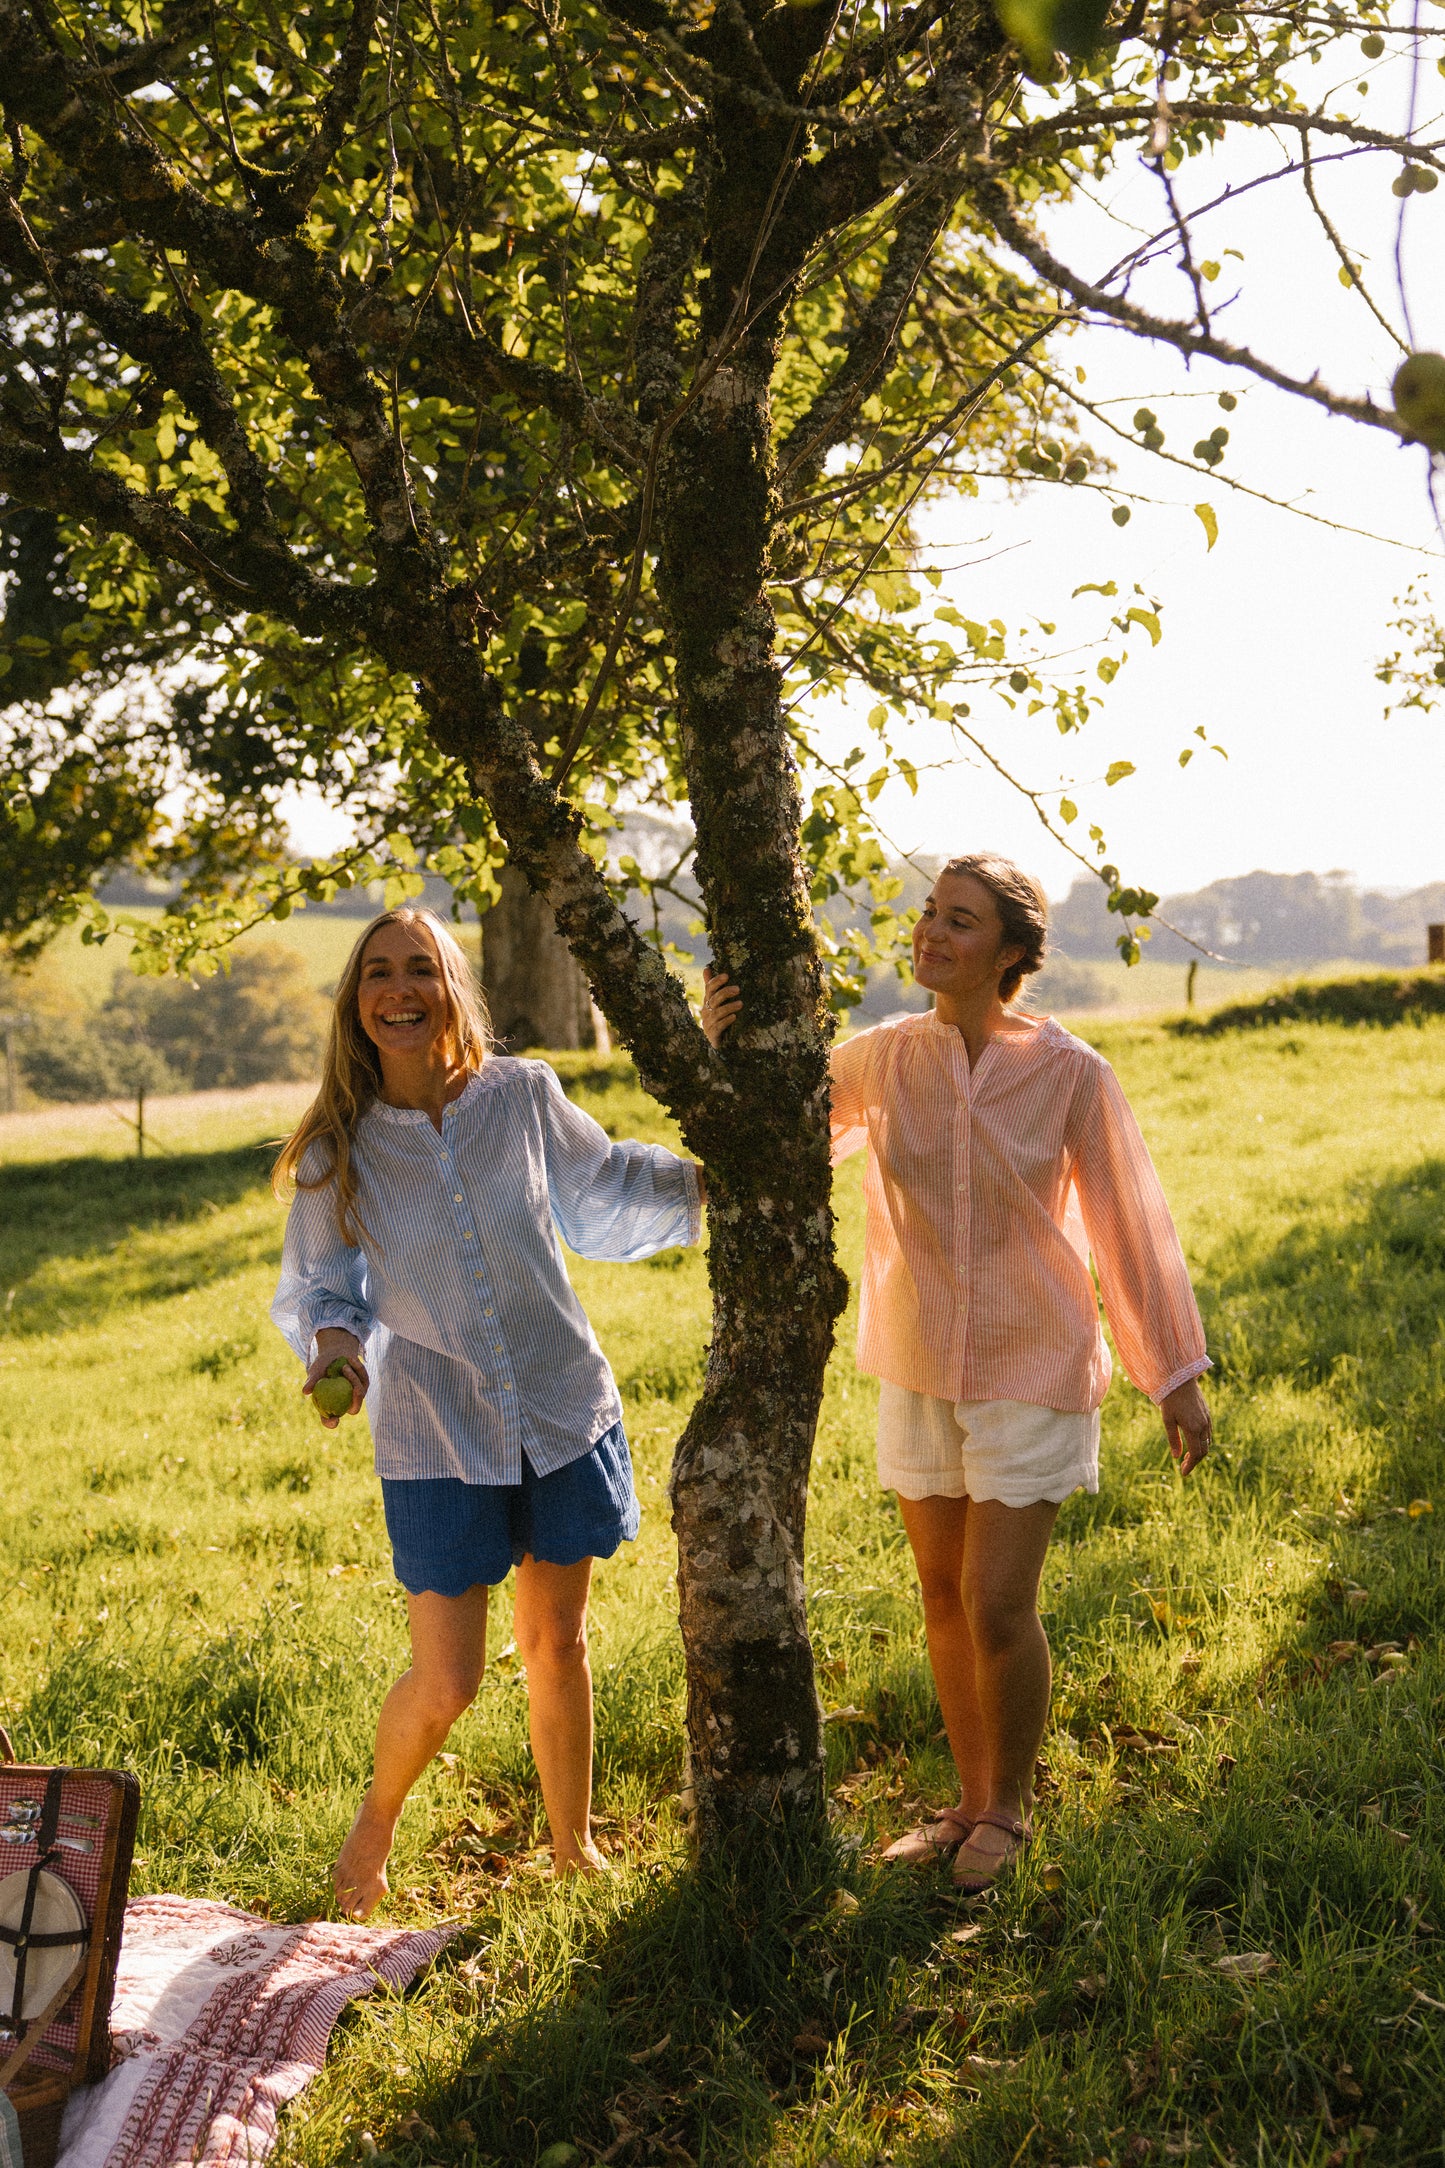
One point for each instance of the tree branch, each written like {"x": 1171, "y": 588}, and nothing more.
{"x": 871, "y": 347}
{"x": 993, "y": 200}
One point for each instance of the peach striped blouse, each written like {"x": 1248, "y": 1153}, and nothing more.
{"x": 986, "y": 1192}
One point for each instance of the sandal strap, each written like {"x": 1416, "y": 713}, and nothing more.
{"x": 1012, "y": 1828}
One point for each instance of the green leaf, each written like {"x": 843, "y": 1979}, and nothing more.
{"x": 1095, "y": 587}
{"x": 1068, "y": 811}
{"x": 1117, "y": 770}
{"x": 1149, "y": 621}
{"x": 1204, "y": 513}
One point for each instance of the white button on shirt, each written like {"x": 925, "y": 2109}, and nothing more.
{"x": 436, "y": 1261}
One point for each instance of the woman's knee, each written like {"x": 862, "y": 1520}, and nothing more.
{"x": 941, "y": 1589}
{"x": 448, "y": 1693}
{"x": 1000, "y": 1619}
{"x": 556, "y": 1640}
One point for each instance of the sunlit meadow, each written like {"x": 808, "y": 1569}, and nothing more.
{"x": 1228, "y": 1942}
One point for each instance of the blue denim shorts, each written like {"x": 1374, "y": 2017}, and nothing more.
{"x": 447, "y": 1536}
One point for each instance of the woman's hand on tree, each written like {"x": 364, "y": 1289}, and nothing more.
{"x": 334, "y": 1344}
{"x": 1188, "y": 1424}
{"x": 721, "y": 1003}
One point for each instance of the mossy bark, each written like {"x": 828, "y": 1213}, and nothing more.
{"x": 740, "y": 1480}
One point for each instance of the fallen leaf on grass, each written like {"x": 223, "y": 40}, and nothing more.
{"x": 914, "y": 2017}
{"x": 647, "y": 2055}
{"x": 979, "y": 2067}
{"x": 1417, "y": 1506}
{"x": 964, "y": 1934}
{"x": 1246, "y": 1964}
{"x": 1093, "y": 1985}
{"x": 1052, "y": 1875}
{"x": 560, "y": 2155}
{"x": 811, "y": 2042}
{"x": 413, "y": 2126}
{"x": 1139, "y": 1741}
{"x": 851, "y": 1715}
{"x": 843, "y": 1900}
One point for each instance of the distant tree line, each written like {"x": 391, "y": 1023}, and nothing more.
{"x": 1267, "y": 918}
{"x": 261, "y": 1022}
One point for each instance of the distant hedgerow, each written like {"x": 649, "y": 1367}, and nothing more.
{"x": 1389, "y": 997}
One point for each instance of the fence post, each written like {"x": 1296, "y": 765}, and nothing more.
{"x": 1435, "y": 936}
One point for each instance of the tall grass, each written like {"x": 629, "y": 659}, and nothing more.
{"x": 1229, "y": 1941}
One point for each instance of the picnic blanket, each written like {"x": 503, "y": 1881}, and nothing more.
{"x": 219, "y": 2019}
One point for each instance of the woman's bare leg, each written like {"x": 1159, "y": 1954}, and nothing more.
{"x": 448, "y": 1650}
{"x": 979, "y": 1565}
{"x": 1002, "y": 1566}
{"x": 550, "y": 1621}
{"x": 936, "y": 1530}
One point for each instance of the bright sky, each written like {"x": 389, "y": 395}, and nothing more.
{"x": 1272, "y": 639}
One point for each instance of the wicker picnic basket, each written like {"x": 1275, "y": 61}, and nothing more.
{"x": 66, "y": 1840}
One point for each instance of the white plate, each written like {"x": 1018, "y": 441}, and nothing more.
{"x": 57, "y": 1912}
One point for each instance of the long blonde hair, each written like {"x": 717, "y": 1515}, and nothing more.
{"x": 351, "y": 1072}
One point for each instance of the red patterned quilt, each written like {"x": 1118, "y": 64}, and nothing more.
{"x": 219, "y": 2019}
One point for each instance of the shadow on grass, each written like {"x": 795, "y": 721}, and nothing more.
{"x": 86, "y": 1212}
{"x": 1241, "y": 1953}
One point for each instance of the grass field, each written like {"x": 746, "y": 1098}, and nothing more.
{"x": 1243, "y": 1959}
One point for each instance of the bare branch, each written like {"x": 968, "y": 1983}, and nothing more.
{"x": 994, "y": 201}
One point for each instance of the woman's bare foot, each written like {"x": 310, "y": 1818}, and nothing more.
{"x": 359, "y": 1876}
{"x": 579, "y": 1859}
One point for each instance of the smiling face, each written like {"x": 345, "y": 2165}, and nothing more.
{"x": 402, "y": 995}
{"x": 958, "y": 942}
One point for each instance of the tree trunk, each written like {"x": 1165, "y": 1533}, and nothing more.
{"x": 740, "y": 1479}
{"x": 535, "y": 991}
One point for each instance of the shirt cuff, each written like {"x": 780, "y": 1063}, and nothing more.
{"x": 340, "y": 1319}
{"x": 1196, "y": 1369}
{"x": 694, "y": 1201}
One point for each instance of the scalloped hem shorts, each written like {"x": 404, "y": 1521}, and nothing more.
{"x": 448, "y": 1536}
{"x": 1007, "y": 1450}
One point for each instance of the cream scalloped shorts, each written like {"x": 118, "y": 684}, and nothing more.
{"x": 1002, "y": 1449}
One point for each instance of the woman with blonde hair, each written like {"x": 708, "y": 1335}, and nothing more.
{"x": 431, "y": 1181}
{"x": 1001, "y": 1153}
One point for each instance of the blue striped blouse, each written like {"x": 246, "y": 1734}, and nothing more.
{"x": 478, "y": 1349}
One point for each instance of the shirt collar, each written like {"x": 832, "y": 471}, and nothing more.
{"x": 382, "y": 1112}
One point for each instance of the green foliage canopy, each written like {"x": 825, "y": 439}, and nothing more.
{"x": 304, "y": 310}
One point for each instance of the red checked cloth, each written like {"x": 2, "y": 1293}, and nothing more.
{"x": 219, "y": 2019}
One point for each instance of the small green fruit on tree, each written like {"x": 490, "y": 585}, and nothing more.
{"x": 332, "y": 1393}
{"x": 1041, "y": 28}
{"x": 1419, "y": 395}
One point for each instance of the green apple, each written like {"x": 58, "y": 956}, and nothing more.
{"x": 1419, "y": 395}
{"x": 332, "y": 1393}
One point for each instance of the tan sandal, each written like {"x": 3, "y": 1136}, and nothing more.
{"x": 931, "y": 1841}
{"x": 973, "y": 1881}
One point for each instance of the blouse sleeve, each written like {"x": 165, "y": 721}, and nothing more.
{"x": 1142, "y": 1274}
{"x": 848, "y": 1072}
{"x": 614, "y": 1201}
{"x": 323, "y": 1279}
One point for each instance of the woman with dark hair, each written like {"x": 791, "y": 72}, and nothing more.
{"x": 431, "y": 1183}
{"x": 1002, "y": 1152}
